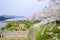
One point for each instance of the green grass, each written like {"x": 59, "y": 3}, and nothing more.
{"x": 41, "y": 33}
{"x": 15, "y": 25}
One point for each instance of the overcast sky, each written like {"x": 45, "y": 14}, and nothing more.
{"x": 21, "y": 7}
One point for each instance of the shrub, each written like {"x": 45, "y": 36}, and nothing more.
{"x": 43, "y": 33}
{"x": 13, "y": 28}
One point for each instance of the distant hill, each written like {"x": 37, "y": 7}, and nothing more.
{"x": 4, "y": 17}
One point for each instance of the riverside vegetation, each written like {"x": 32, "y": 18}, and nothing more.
{"x": 17, "y": 26}
{"x": 45, "y": 32}
{"x": 20, "y": 25}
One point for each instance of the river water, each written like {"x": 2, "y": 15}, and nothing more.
{"x": 2, "y": 24}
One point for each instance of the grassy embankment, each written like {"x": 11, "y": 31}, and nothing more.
{"x": 44, "y": 32}
{"x": 18, "y": 25}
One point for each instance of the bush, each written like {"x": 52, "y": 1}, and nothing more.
{"x": 9, "y": 25}
{"x": 13, "y": 28}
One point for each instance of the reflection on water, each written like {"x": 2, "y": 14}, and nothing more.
{"x": 2, "y": 24}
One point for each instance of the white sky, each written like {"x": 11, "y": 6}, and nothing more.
{"x": 21, "y": 7}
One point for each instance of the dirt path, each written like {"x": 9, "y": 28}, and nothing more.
{"x": 32, "y": 34}
{"x": 15, "y": 33}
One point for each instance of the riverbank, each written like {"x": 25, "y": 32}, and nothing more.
{"x": 2, "y": 24}
{"x": 15, "y": 35}
{"x": 15, "y": 38}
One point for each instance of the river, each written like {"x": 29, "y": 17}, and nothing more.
{"x": 2, "y": 24}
